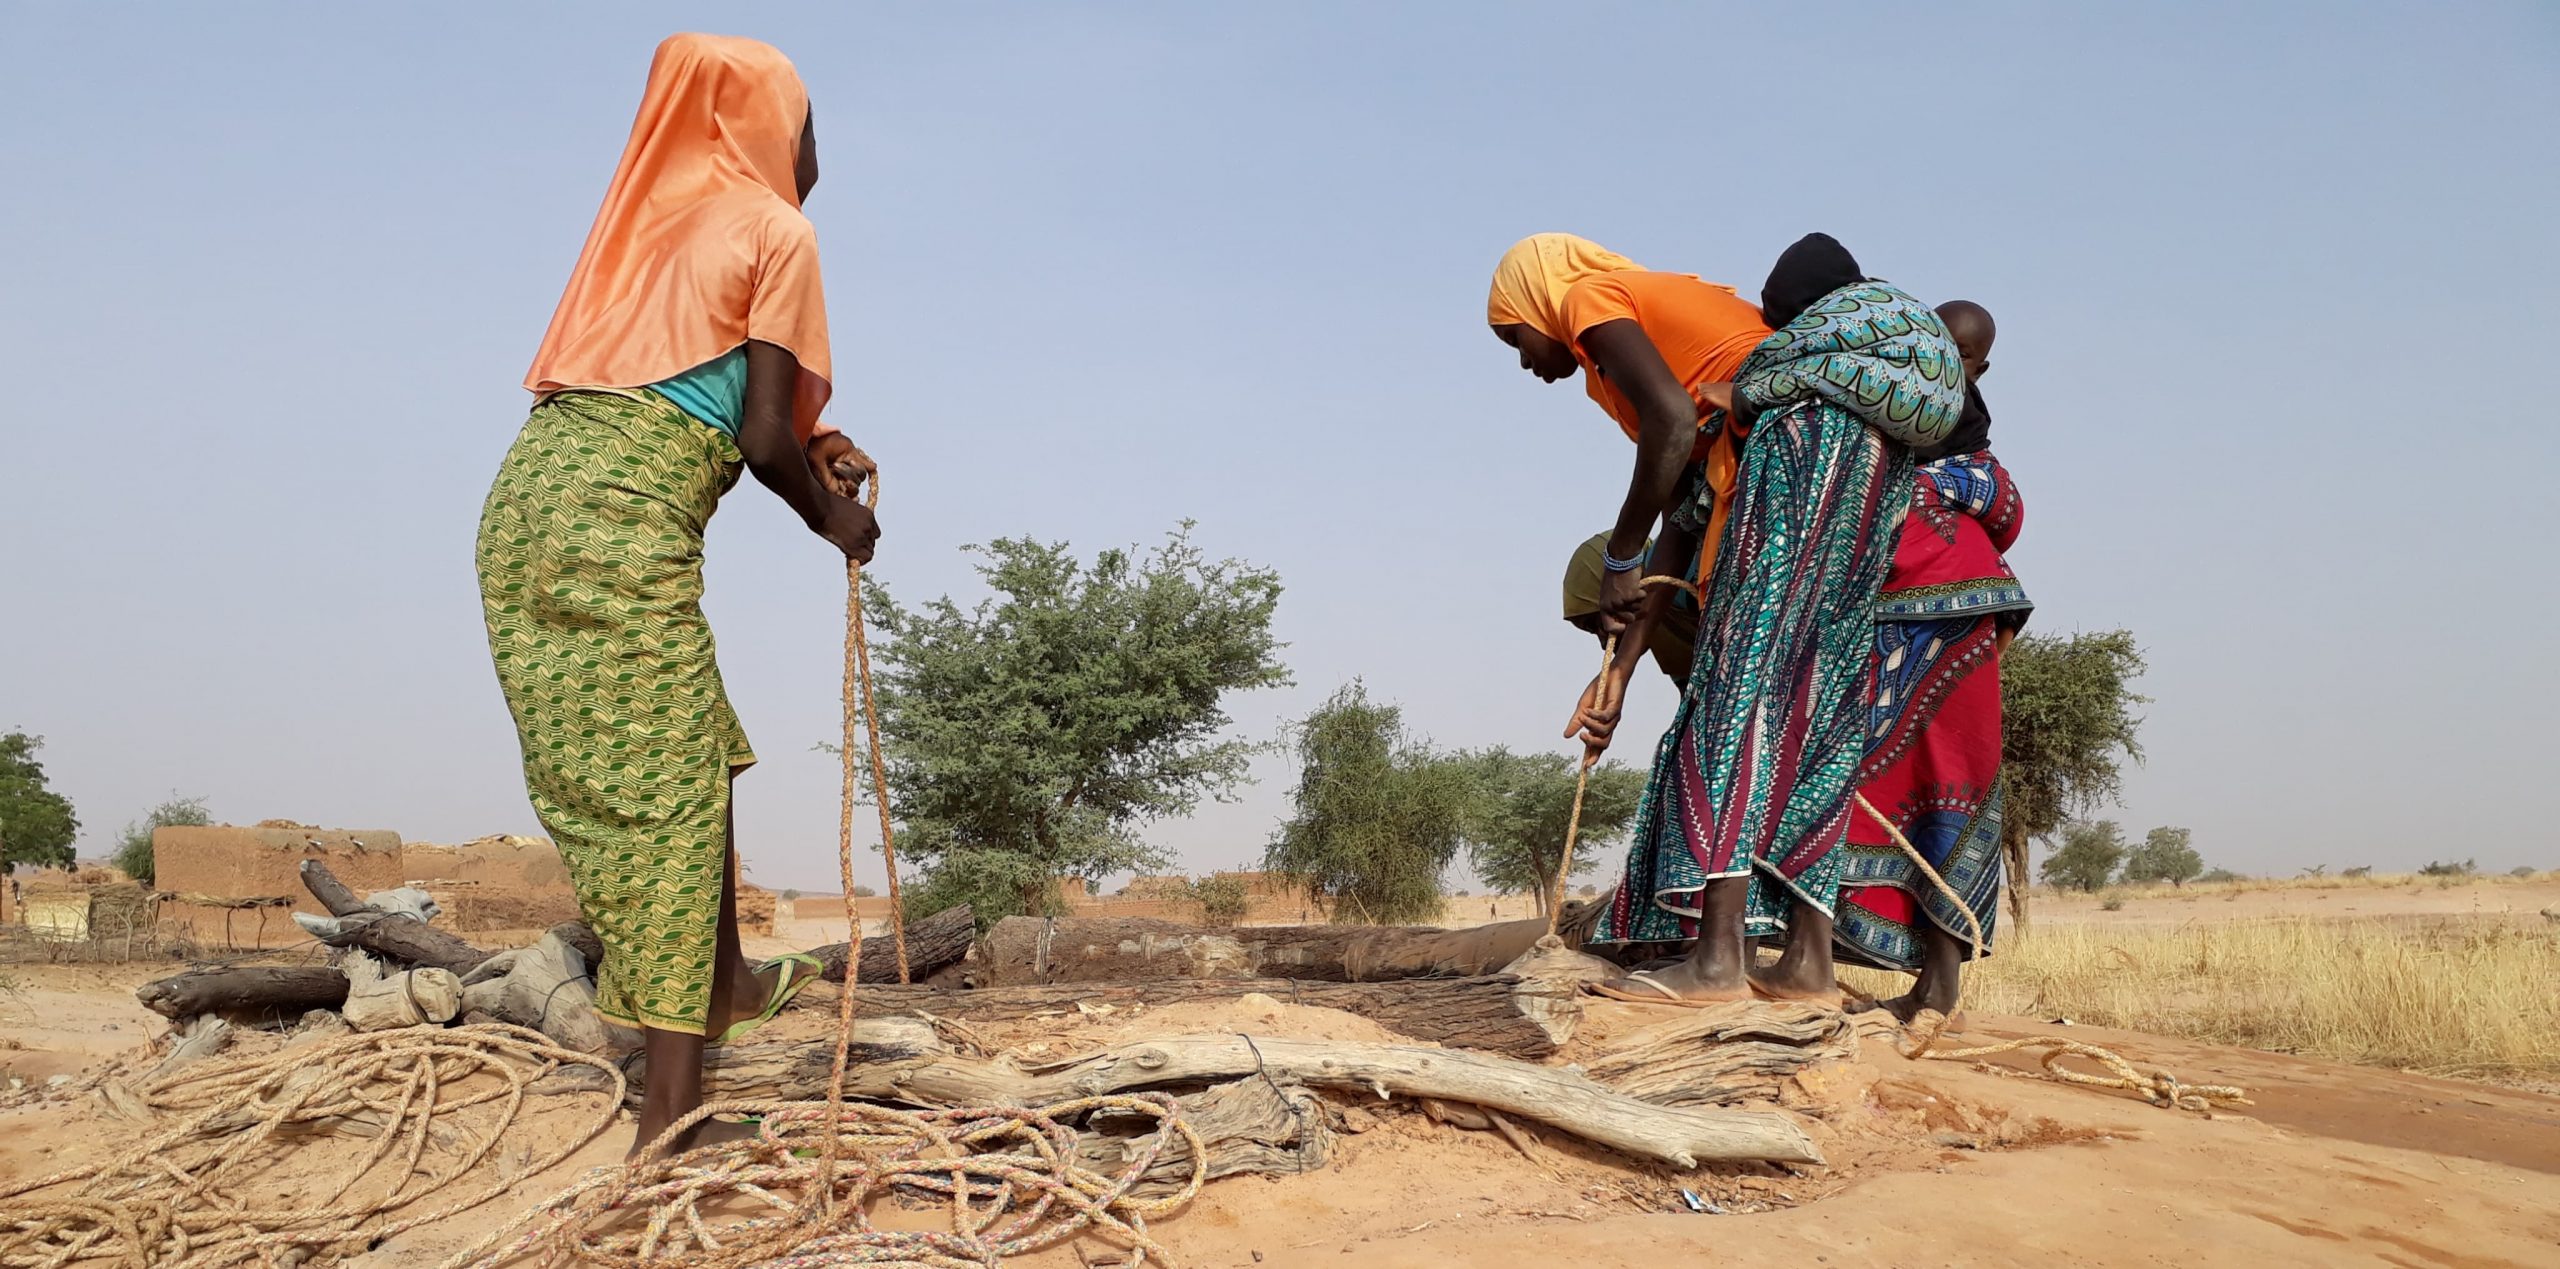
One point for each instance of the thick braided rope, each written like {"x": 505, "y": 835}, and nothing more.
{"x": 857, "y": 680}
{"x": 174, "y": 1199}
{"x": 2160, "y": 1088}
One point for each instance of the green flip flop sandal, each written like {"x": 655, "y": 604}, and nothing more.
{"x": 799, "y": 969}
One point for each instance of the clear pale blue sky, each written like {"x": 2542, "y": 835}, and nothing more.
{"x": 2274, "y": 283}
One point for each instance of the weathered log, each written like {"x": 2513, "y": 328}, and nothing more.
{"x": 577, "y": 935}
{"x": 884, "y": 1051}
{"x": 934, "y": 944}
{"x": 1499, "y": 1013}
{"x": 1247, "y": 1126}
{"x": 401, "y": 938}
{"x": 290, "y": 990}
{"x": 1136, "y": 949}
{"x": 1726, "y": 1053}
{"x": 1562, "y": 1098}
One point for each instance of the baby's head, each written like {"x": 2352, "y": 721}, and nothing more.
{"x": 1970, "y": 324}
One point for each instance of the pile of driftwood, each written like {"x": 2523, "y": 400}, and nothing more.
{"x": 1483, "y": 1005}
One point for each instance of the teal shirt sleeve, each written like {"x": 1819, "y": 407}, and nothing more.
{"x": 714, "y": 393}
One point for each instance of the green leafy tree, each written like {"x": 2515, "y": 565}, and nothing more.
{"x": 2068, "y": 720}
{"x": 2166, "y": 854}
{"x": 1221, "y": 897}
{"x": 1377, "y": 816}
{"x": 133, "y": 849}
{"x": 1030, "y": 735}
{"x": 1521, "y": 806}
{"x": 37, "y": 825}
{"x": 2088, "y": 857}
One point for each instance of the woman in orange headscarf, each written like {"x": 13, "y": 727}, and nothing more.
{"x": 691, "y": 343}
{"x": 1655, "y": 350}
{"x": 1739, "y": 829}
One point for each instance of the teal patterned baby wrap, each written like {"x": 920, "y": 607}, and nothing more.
{"x": 1871, "y": 350}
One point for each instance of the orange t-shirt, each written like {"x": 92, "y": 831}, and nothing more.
{"x": 1703, "y": 331}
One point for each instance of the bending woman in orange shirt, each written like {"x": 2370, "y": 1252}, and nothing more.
{"x": 1747, "y": 799}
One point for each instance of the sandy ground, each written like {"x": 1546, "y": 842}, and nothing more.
{"x": 1934, "y": 1163}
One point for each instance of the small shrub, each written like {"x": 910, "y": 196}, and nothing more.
{"x": 1222, "y": 899}
{"x": 865, "y": 892}
{"x": 2360, "y": 870}
{"x": 2449, "y": 868}
{"x": 2223, "y": 875}
{"x": 1463, "y": 894}
{"x": 2316, "y": 870}
{"x": 133, "y": 850}
{"x": 1589, "y": 891}
{"x": 791, "y": 896}
{"x": 2113, "y": 903}
{"x": 2520, "y": 871}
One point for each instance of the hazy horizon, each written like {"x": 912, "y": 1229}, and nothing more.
{"x": 2268, "y": 279}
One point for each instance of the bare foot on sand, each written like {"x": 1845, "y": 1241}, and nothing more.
{"x": 709, "y": 1132}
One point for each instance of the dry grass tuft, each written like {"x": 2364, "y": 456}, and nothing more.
{"x": 2443, "y": 996}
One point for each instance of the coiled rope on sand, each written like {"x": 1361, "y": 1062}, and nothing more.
{"x": 180, "y": 1196}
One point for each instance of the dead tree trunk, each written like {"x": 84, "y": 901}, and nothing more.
{"x": 401, "y": 938}
{"x": 1496, "y": 1014}
{"x": 1022, "y": 950}
{"x": 1726, "y": 1053}
{"x": 286, "y": 990}
{"x": 898, "y": 1060}
{"x": 933, "y": 944}
{"x": 1245, "y": 1126}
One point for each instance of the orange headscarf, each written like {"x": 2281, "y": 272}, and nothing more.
{"x": 1529, "y": 283}
{"x": 700, "y": 245}
{"x": 1530, "y": 280}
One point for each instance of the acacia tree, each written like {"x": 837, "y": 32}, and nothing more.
{"x": 1378, "y": 816}
{"x": 1521, "y": 807}
{"x": 2067, "y": 711}
{"x": 2088, "y": 857}
{"x": 2166, "y": 854}
{"x": 133, "y": 849}
{"x": 37, "y": 825}
{"x": 1029, "y": 736}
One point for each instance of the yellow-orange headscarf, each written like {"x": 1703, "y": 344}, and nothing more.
{"x": 700, "y": 245}
{"x": 1530, "y": 280}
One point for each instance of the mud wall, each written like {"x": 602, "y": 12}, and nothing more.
{"x": 225, "y": 862}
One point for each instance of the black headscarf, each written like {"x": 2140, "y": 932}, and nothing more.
{"x": 1814, "y": 267}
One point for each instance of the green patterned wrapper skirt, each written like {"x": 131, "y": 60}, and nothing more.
{"x": 591, "y": 582}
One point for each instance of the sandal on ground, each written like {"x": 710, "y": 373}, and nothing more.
{"x": 1661, "y": 993}
{"x": 1832, "y": 999}
{"x": 799, "y": 969}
